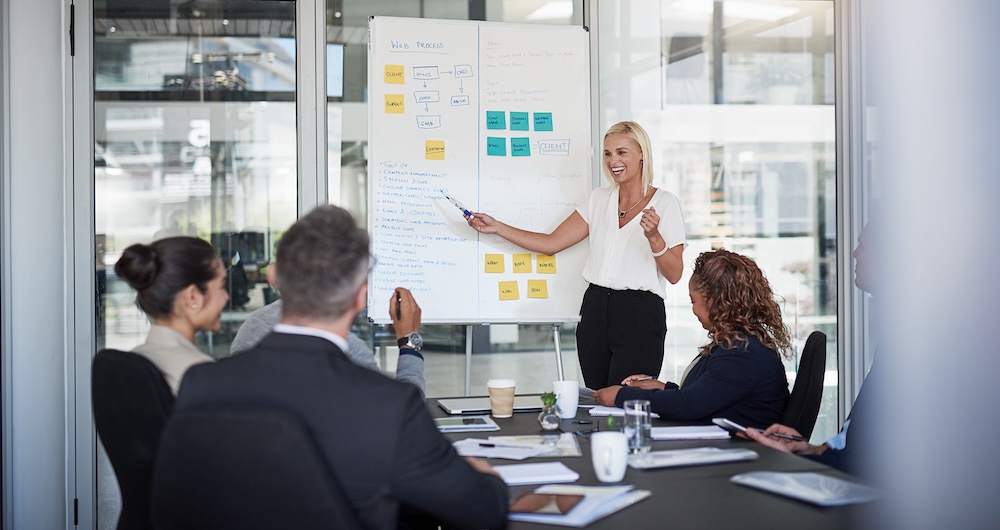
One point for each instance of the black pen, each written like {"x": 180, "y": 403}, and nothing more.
{"x": 582, "y": 422}
{"x": 487, "y": 444}
{"x": 399, "y": 299}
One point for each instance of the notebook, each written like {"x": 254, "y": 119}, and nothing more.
{"x": 543, "y": 473}
{"x": 689, "y": 432}
{"x": 481, "y": 405}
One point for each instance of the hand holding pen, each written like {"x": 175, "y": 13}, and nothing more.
{"x": 404, "y": 312}
{"x": 784, "y": 439}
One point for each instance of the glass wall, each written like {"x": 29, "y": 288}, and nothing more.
{"x": 194, "y": 135}
{"x": 738, "y": 97}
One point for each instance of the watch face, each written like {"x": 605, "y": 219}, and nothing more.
{"x": 416, "y": 340}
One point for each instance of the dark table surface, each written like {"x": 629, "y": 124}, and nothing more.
{"x": 685, "y": 497}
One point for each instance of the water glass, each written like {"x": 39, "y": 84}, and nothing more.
{"x": 638, "y": 426}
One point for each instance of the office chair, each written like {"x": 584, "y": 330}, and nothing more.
{"x": 132, "y": 402}
{"x": 244, "y": 466}
{"x": 804, "y": 401}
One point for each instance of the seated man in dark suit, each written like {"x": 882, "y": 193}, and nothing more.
{"x": 376, "y": 433}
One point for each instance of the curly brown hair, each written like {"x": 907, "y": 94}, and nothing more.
{"x": 740, "y": 302}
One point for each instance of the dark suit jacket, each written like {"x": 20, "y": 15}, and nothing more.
{"x": 747, "y": 386}
{"x": 376, "y": 433}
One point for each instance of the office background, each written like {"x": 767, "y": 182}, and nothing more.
{"x": 200, "y": 117}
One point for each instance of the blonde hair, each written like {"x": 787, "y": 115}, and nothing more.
{"x": 637, "y": 133}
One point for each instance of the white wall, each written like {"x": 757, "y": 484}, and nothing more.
{"x": 35, "y": 357}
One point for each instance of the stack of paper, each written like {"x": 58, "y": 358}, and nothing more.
{"x": 690, "y": 432}
{"x": 689, "y": 457}
{"x": 817, "y": 488}
{"x": 544, "y": 473}
{"x": 598, "y": 502}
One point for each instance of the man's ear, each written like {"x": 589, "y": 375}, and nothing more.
{"x": 272, "y": 275}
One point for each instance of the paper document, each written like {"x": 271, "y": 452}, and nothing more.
{"x": 816, "y": 488}
{"x": 601, "y": 410}
{"x": 542, "y": 473}
{"x": 690, "y": 432}
{"x": 689, "y": 457}
{"x": 598, "y": 501}
{"x": 563, "y": 444}
{"x": 507, "y": 450}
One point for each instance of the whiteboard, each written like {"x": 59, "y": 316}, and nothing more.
{"x": 498, "y": 115}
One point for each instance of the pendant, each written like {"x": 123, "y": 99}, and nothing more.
{"x": 621, "y": 213}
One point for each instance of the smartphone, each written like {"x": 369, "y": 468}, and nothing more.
{"x": 728, "y": 425}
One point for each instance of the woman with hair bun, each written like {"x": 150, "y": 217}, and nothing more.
{"x": 738, "y": 375}
{"x": 180, "y": 285}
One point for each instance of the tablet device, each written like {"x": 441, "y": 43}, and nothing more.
{"x": 481, "y": 405}
{"x": 544, "y": 503}
{"x": 466, "y": 424}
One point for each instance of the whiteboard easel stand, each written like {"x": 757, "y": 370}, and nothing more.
{"x": 559, "y": 359}
{"x": 556, "y": 328}
{"x": 468, "y": 357}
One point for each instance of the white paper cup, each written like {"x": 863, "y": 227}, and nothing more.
{"x": 609, "y": 452}
{"x": 567, "y": 398}
{"x": 501, "y": 397}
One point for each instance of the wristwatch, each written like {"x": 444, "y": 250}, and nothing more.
{"x": 413, "y": 340}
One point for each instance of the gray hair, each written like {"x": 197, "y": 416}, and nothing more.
{"x": 322, "y": 261}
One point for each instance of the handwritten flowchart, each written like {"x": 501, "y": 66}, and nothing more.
{"x": 497, "y": 114}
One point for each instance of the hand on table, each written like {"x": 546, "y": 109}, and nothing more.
{"x": 606, "y": 396}
{"x": 643, "y": 381}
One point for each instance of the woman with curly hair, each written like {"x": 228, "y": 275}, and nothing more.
{"x": 738, "y": 374}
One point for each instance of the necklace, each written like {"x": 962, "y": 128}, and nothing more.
{"x": 621, "y": 213}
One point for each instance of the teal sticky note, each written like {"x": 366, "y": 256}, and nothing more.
{"x": 543, "y": 121}
{"x": 519, "y": 121}
{"x": 496, "y": 119}
{"x": 496, "y": 146}
{"x": 520, "y": 147}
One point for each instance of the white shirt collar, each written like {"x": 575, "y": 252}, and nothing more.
{"x": 291, "y": 329}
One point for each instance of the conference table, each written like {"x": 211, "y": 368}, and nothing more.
{"x": 685, "y": 497}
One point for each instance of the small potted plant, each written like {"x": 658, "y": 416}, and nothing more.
{"x": 548, "y": 418}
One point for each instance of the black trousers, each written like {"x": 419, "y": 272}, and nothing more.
{"x": 620, "y": 333}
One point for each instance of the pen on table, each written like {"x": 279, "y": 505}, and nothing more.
{"x": 457, "y": 204}
{"x": 582, "y": 422}
{"x": 489, "y": 444}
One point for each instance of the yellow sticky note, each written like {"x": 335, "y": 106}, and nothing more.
{"x": 394, "y": 104}
{"x": 522, "y": 263}
{"x": 434, "y": 150}
{"x": 508, "y": 291}
{"x": 394, "y": 74}
{"x": 494, "y": 262}
{"x": 538, "y": 289}
{"x": 546, "y": 264}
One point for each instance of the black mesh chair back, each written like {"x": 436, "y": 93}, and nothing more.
{"x": 132, "y": 402}
{"x": 807, "y": 393}
{"x": 247, "y": 467}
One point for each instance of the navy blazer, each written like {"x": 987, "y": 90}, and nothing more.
{"x": 376, "y": 433}
{"x": 747, "y": 386}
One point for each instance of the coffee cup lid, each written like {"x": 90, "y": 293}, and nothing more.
{"x": 500, "y": 383}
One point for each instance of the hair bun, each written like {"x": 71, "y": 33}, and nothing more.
{"x": 138, "y": 266}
